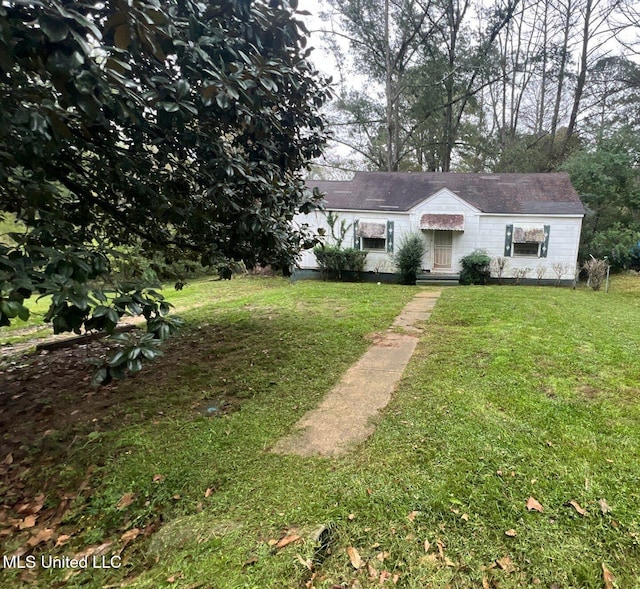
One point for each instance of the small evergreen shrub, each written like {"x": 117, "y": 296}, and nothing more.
{"x": 475, "y": 268}
{"x": 333, "y": 261}
{"x": 408, "y": 258}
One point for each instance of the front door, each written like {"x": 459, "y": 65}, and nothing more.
{"x": 442, "y": 250}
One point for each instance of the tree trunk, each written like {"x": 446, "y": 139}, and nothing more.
{"x": 582, "y": 74}
{"x": 562, "y": 72}
{"x": 391, "y": 131}
{"x": 543, "y": 81}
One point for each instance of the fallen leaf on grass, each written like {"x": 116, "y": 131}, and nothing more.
{"x": 440, "y": 545}
{"x": 27, "y": 508}
{"x": 126, "y": 500}
{"x": 8, "y": 459}
{"x": 208, "y": 492}
{"x": 506, "y": 564}
{"x": 129, "y": 535}
{"x": 288, "y": 539}
{"x": 533, "y": 505}
{"x": 354, "y": 557}
{"x": 309, "y": 583}
{"x": 412, "y": 516}
{"x": 373, "y": 572}
{"x": 604, "y": 506}
{"x": 42, "y": 536}
{"x": 308, "y": 563}
{"x": 511, "y": 533}
{"x": 430, "y": 559}
{"x": 607, "y": 577}
{"x": 96, "y": 549}
{"x": 158, "y": 478}
{"x": 62, "y": 540}
{"x": 28, "y": 522}
{"x": 465, "y": 517}
{"x": 577, "y": 507}
{"x": 427, "y": 545}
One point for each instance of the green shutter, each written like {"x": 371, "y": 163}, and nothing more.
{"x": 508, "y": 246}
{"x": 390, "y": 237}
{"x": 356, "y": 239}
{"x": 545, "y": 245}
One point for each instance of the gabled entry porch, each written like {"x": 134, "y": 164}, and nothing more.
{"x": 440, "y": 231}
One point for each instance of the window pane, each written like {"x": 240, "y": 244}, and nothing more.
{"x": 374, "y": 243}
{"x": 526, "y": 249}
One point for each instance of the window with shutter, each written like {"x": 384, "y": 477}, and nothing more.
{"x": 373, "y": 235}
{"x": 526, "y": 240}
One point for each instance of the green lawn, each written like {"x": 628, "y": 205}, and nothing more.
{"x": 514, "y": 392}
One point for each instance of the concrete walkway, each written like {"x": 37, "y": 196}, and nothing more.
{"x": 345, "y": 417}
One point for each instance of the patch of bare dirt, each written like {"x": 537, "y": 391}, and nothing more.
{"x": 49, "y": 411}
{"x": 49, "y": 391}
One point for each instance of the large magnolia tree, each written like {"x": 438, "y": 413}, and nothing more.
{"x": 178, "y": 126}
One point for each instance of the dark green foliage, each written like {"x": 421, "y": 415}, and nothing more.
{"x": 333, "y": 260}
{"x": 616, "y": 243}
{"x": 475, "y": 268}
{"x": 159, "y": 126}
{"x": 527, "y": 152}
{"x": 408, "y": 258}
{"x": 608, "y": 181}
{"x": 154, "y": 268}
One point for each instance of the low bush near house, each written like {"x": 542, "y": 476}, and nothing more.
{"x": 408, "y": 258}
{"x": 333, "y": 261}
{"x": 475, "y": 268}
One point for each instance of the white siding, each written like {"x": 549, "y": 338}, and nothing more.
{"x": 564, "y": 239}
{"x": 464, "y": 242}
{"x": 375, "y": 261}
{"x": 481, "y": 231}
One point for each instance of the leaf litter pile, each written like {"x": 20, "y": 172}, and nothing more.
{"x": 49, "y": 413}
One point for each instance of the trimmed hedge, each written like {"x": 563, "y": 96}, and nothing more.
{"x": 335, "y": 260}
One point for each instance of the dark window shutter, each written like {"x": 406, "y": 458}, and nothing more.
{"x": 356, "y": 239}
{"x": 390, "y": 237}
{"x": 508, "y": 246}
{"x": 545, "y": 245}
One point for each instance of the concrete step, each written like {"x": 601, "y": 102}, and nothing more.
{"x": 437, "y": 279}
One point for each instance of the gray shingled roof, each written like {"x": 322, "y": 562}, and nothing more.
{"x": 491, "y": 193}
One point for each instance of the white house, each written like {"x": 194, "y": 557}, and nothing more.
{"x": 532, "y": 220}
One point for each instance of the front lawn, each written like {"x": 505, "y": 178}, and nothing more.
{"x": 516, "y": 397}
